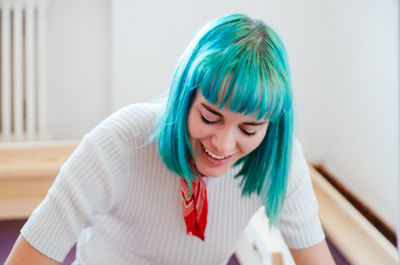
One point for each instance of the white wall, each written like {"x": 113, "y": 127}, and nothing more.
{"x": 343, "y": 56}
{"x": 77, "y": 66}
{"x": 362, "y": 101}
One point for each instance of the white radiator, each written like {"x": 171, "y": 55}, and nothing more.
{"x": 22, "y": 89}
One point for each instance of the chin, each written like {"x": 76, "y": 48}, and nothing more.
{"x": 211, "y": 172}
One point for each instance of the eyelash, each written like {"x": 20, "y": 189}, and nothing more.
{"x": 247, "y": 133}
{"x": 207, "y": 121}
{"x": 213, "y": 122}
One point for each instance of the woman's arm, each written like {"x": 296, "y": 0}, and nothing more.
{"x": 24, "y": 254}
{"x": 315, "y": 255}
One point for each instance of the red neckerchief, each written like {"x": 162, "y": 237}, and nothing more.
{"x": 195, "y": 208}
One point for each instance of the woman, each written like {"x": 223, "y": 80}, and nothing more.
{"x": 177, "y": 184}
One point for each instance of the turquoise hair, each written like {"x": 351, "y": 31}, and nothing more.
{"x": 241, "y": 64}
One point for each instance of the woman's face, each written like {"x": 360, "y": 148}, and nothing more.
{"x": 220, "y": 137}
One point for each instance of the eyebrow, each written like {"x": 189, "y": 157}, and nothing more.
{"x": 211, "y": 110}
{"x": 251, "y": 123}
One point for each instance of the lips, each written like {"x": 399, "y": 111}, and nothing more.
{"x": 214, "y": 155}
{"x": 212, "y": 159}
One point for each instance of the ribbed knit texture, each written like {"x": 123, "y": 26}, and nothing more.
{"x": 117, "y": 200}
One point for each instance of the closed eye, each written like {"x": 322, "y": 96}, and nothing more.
{"x": 247, "y": 132}
{"x": 207, "y": 121}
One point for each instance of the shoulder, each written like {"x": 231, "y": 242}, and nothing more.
{"x": 297, "y": 149}
{"x": 132, "y": 121}
{"x": 299, "y": 172}
{"x": 297, "y": 158}
{"x": 299, "y": 222}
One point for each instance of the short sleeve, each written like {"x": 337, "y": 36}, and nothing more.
{"x": 88, "y": 184}
{"x": 299, "y": 221}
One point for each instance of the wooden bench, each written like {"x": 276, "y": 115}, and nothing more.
{"x": 27, "y": 170}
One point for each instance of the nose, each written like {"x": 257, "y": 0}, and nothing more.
{"x": 224, "y": 141}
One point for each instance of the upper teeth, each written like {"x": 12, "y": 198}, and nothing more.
{"x": 214, "y": 155}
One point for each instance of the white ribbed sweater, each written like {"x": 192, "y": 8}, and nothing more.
{"x": 117, "y": 200}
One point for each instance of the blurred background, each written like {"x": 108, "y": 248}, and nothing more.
{"x": 100, "y": 55}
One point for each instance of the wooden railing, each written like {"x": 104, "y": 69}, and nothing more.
{"x": 351, "y": 233}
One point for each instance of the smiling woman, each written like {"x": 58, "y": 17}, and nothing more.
{"x": 178, "y": 183}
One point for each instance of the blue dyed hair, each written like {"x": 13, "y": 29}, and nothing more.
{"x": 239, "y": 63}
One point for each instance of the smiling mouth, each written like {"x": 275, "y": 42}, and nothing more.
{"x": 214, "y": 155}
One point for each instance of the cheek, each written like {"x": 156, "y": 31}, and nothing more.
{"x": 196, "y": 128}
{"x": 251, "y": 143}
{"x": 191, "y": 124}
